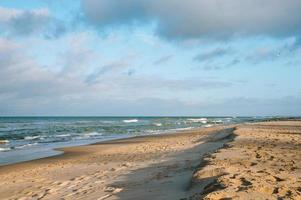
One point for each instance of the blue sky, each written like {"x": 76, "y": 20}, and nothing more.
{"x": 139, "y": 57}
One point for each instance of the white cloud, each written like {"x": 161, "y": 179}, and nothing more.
{"x": 8, "y": 14}
{"x": 26, "y": 84}
{"x": 23, "y": 22}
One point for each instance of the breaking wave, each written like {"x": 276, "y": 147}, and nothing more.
{"x": 2, "y": 149}
{"x": 198, "y": 120}
{"x": 130, "y": 120}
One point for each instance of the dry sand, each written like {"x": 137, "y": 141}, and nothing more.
{"x": 256, "y": 161}
{"x": 263, "y": 162}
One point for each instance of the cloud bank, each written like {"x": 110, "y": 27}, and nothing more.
{"x": 217, "y": 19}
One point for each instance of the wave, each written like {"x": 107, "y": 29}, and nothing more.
{"x": 88, "y": 135}
{"x": 4, "y": 149}
{"x": 198, "y": 120}
{"x": 32, "y": 137}
{"x": 208, "y": 125}
{"x": 180, "y": 129}
{"x": 93, "y": 134}
{"x": 217, "y": 121}
{"x": 4, "y": 141}
{"x": 63, "y": 135}
{"x": 26, "y": 145}
{"x": 158, "y": 124}
{"x": 154, "y": 132}
{"x": 130, "y": 120}
{"x": 107, "y": 122}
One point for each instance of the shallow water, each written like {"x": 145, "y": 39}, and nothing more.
{"x": 27, "y": 138}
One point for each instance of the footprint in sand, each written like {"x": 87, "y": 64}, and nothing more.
{"x": 245, "y": 182}
{"x": 258, "y": 155}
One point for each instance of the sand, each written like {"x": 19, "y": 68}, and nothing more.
{"x": 247, "y": 161}
{"x": 263, "y": 162}
{"x": 133, "y": 168}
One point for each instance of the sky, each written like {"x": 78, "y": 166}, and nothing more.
{"x": 153, "y": 58}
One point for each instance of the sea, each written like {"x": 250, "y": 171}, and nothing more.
{"x": 28, "y": 138}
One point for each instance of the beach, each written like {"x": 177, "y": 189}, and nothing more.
{"x": 263, "y": 162}
{"x": 243, "y": 161}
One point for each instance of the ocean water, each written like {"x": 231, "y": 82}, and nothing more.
{"x": 27, "y": 138}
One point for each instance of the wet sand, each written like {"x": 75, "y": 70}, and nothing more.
{"x": 254, "y": 161}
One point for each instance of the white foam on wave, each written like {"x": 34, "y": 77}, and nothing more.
{"x": 217, "y": 121}
{"x": 4, "y": 149}
{"x": 4, "y": 141}
{"x": 229, "y": 119}
{"x": 181, "y": 129}
{"x": 63, "y": 135}
{"x": 26, "y": 145}
{"x": 208, "y": 125}
{"x": 93, "y": 134}
{"x": 158, "y": 124}
{"x": 88, "y": 135}
{"x": 130, "y": 120}
{"x": 154, "y": 132}
{"x": 198, "y": 120}
{"x": 32, "y": 137}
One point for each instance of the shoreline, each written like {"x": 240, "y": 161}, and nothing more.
{"x": 189, "y": 165}
{"x": 32, "y": 146}
{"x": 56, "y": 151}
{"x": 66, "y": 149}
{"x": 99, "y": 166}
{"x": 13, "y": 152}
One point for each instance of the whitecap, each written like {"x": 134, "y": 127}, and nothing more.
{"x": 181, "y": 129}
{"x": 158, "y": 124}
{"x": 26, "y": 145}
{"x": 4, "y": 149}
{"x": 217, "y": 121}
{"x": 199, "y": 120}
{"x": 130, "y": 120}
{"x": 93, "y": 134}
{"x": 32, "y": 137}
{"x": 207, "y": 125}
{"x": 63, "y": 135}
{"x": 88, "y": 135}
{"x": 4, "y": 141}
{"x": 154, "y": 132}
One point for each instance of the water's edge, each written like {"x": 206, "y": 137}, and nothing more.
{"x": 24, "y": 139}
